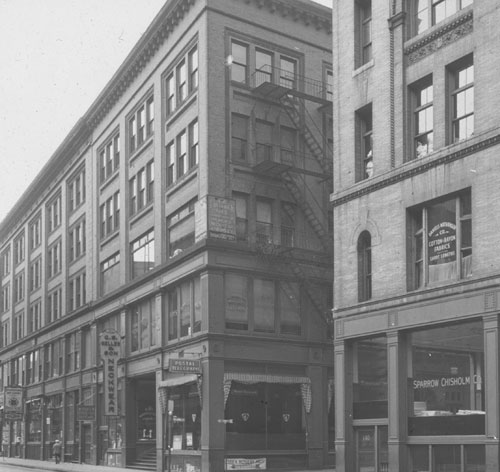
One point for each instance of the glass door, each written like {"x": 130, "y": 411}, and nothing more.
{"x": 371, "y": 449}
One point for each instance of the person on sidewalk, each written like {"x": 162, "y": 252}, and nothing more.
{"x": 56, "y": 450}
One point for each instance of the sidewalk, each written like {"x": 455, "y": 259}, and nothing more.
{"x": 62, "y": 467}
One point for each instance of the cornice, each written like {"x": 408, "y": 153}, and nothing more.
{"x": 417, "y": 169}
{"x": 441, "y": 37}
{"x": 317, "y": 16}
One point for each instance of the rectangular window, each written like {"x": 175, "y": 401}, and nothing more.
{"x": 170, "y": 85}
{"x": 239, "y": 140}
{"x": 181, "y": 147}
{"x": 442, "y": 241}
{"x": 110, "y": 215}
{"x": 423, "y": 117}
{"x": 364, "y": 31}
{"x": 76, "y": 191}
{"x": 35, "y": 317}
{"x": 35, "y": 274}
{"x": 263, "y": 67}
{"x": 54, "y": 259}
{"x": 287, "y": 72}
{"x": 181, "y": 229}
{"x": 35, "y": 232}
{"x": 72, "y": 352}
{"x": 264, "y": 222}
{"x": 263, "y": 141}
{"x": 184, "y": 309}
{"x": 193, "y": 144}
{"x": 289, "y": 300}
{"x": 239, "y": 62}
{"x": 5, "y": 298}
{"x": 141, "y": 187}
{"x": 54, "y": 305}
{"x": 5, "y": 333}
{"x": 54, "y": 214}
{"x": 110, "y": 274}
{"x": 143, "y": 325}
{"x": 76, "y": 240}
{"x": 431, "y": 12}
{"x": 288, "y": 223}
{"x": 77, "y": 291}
{"x": 288, "y": 145}
{"x": 142, "y": 254}
{"x": 236, "y": 302}
{"x": 181, "y": 76}
{"x": 193, "y": 68}
{"x": 19, "y": 287}
{"x": 19, "y": 249}
{"x": 170, "y": 157}
{"x": 264, "y": 309}
{"x": 5, "y": 262}
{"x": 462, "y": 97}
{"x": 329, "y": 85}
{"x": 141, "y": 125}
{"x": 18, "y": 331}
{"x": 241, "y": 203}
{"x": 364, "y": 143}
{"x": 109, "y": 157}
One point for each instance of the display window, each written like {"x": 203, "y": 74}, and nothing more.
{"x": 370, "y": 378}
{"x": 186, "y": 419}
{"x": 446, "y": 384}
{"x": 448, "y": 458}
{"x": 265, "y": 416}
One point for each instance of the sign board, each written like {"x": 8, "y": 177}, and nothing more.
{"x": 215, "y": 217}
{"x": 13, "y": 403}
{"x": 110, "y": 349}
{"x": 192, "y": 366}
{"x": 443, "y": 243}
{"x": 85, "y": 413}
{"x": 246, "y": 463}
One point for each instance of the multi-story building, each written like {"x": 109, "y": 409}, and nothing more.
{"x": 416, "y": 266}
{"x": 166, "y": 278}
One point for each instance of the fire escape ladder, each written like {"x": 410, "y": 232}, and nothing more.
{"x": 291, "y": 107}
{"x": 293, "y": 187}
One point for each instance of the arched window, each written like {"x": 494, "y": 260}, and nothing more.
{"x": 364, "y": 266}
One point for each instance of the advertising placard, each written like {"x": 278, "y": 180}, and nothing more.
{"x": 192, "y": 366}
{"x": 13, "y": 403}
{"x": 110, "y": 349}
{"x": 257, "y": 463}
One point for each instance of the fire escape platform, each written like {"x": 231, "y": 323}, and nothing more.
{"x": 271, "y": 168}
{"x": 275, "y": 92}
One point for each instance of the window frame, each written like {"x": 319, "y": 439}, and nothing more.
{"x": 365, "y": 268}
{"x": 364, "y": 142}
{"x": 422, "y": 99}
{"x": 109, "y": 157}
{"x": 147, "y": 242}
{"x": 427, "y": 12}
{"x": 466, "y": 65}
{"x": 140, "y": 124}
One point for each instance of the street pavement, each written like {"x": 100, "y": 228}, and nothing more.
{"x": 12, "y": 464}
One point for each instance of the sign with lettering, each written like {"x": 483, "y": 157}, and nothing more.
{"x": 215, "y": 217}
{"x": 257, "y": 463}
{"x": 192, "y": 366}
{"x": 13, "y": 403}
{"x": 85, "y": 413}
{"x": 459, "y": 381}
{"x": 110, "y": 349}
{"x": 442, "y": 243}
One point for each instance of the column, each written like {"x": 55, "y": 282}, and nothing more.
{"x": 491, "y": 394}
{"x": 344, "y": 448}
{"x": 396, "y": 391}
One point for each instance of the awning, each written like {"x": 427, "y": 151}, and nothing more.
{"x": 304, "y": 382}
{"x": 164, "y": 385}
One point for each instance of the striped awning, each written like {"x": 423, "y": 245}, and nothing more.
{"x": 304, "y": 382}
{"x": 164, "y": 385}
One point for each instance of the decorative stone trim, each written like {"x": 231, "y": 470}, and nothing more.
{"x": 440, "y": 38}
{"x": 424, "y": 167}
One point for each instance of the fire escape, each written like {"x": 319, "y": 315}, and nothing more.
{"x": 290, "y": 92}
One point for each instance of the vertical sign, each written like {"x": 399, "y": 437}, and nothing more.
{"x": 13, "y": 403}
{"x": 110, "y": 348}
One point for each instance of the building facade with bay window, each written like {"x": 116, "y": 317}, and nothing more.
{"x": 166, "y": 278}
{"x": 416, "y": 267}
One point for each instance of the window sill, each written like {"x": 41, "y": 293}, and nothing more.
{"x": 141, "y": 213}
{"x": 182, "y": 181}
{"x": 76, "y": 259}
{"x": 109, "y": 180}
{"x": 363, "y": 68}
{"x": 140, "y": 149}
{"x": 190, "y": 99}
{"x": 110, "y": 237}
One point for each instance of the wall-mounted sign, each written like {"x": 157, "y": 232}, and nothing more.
{"x": 442, "y": 243}
{"x": 258, "y": 463}
{"x": 85, "y": 413}
{"x": 447, "y": 382}
{"x": 110, "y": 349}
{"x": 215, "y": 217}
{"x": 13, "y": 403}
{"x": 192, "y": 366}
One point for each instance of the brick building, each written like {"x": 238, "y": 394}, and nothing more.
{"x": 416, "y": 266}
{"x": 166, "y": 278}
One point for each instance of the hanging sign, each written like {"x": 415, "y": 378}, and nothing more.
{"x": 110, "y": 349}
{"x": 13, "y": 403}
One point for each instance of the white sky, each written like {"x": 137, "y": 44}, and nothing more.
{"x": 56, "y": 56}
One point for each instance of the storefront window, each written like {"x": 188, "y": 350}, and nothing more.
{"x": 34, "y": 423}
{"x": 371, "y": 449}
{"x": 186, "y": 421}
{"x": 370, "y": 378}
{"x": 53, "y": 424}
{"x": 446, "y": 388}
{"x": 265, "y": 416}
{"x": 449, "y": 458}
